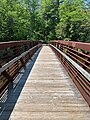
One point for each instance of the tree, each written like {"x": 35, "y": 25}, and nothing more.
{"x": 51, "y": 17}
{"x": 46, "y": 19}
{"x": 74, "y": 21}
{"x": 14, "y": 20}
{"x": 35, "y": 21}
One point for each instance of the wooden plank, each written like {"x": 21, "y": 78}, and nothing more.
{"x": 49, "y": 93}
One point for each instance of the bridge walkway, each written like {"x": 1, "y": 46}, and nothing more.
{"x": 49, "y": 93}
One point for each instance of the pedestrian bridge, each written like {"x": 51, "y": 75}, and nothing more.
{"x": 45, "y": 82}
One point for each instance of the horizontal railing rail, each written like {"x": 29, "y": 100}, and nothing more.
{"x": 75, "y": 57}
{"x": 10, "y": 50}
{"x": 13, "y": 57}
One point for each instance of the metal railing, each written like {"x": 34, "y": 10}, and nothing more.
{"x": 75, "y": 57}
{"x": 13, "y": 57}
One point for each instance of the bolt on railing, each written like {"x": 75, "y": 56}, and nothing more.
{"x": 75, "y": 57}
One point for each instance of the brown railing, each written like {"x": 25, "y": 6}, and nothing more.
{"x": 75, "y": 57}
{"x": 13, "y": 56}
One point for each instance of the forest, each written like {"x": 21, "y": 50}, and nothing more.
{"x": 45, "y": 20}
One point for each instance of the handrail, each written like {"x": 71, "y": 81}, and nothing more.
{"x": 79, "y": 45}
{"x": 7, "y": 65}
{"x": 14, "y": 43}
{"x": 75, "y": 57}
{"x": 78, "y": 51}
{"x": 13, "y": 56}
{"x": 12, "y": 49}
{"x": 80, "y": 69}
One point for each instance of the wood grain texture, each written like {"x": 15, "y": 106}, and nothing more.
{"x": 49, "y": 93}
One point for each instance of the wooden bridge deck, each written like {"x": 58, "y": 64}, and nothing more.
{"x": 49, "y": 93}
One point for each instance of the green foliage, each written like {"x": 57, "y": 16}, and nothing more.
{"x": 14, "y": 20}
{"x": 45, "y": 19}
{"x": 74, "y": 21}
{"x": 50, "y": 15}
{"x": 19, "y": 20}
